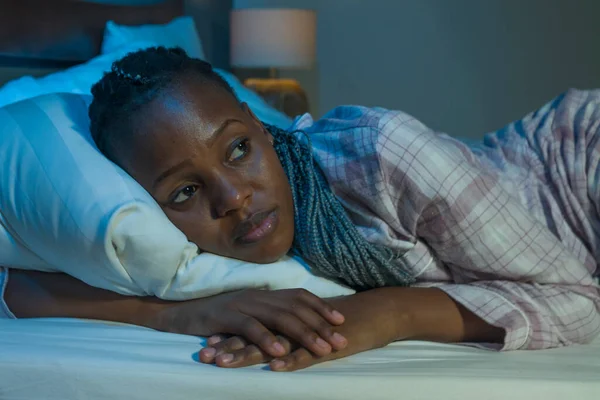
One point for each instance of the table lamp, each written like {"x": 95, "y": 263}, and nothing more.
{"x": 275, "y": 39}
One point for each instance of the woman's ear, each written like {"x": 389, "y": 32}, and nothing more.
{"x": 247, "y": 109}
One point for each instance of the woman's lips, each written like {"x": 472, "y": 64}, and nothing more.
{"x": 257, "y": 227}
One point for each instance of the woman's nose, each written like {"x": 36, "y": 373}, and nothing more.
{"x": 233, "y": 194}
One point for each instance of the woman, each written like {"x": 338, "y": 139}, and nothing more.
{"x": 495, "y": 245}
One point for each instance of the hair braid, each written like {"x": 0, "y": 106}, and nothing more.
{"x": 324, "y": 235}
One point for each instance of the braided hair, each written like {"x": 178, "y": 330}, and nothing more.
{"x": 133, "y": 82}
{"x": 324, "y": 236}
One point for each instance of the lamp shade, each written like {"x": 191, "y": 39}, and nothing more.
{"x": 273, "y": 38}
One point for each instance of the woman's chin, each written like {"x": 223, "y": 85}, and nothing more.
{"x": 267, "y": 257}
{"x": 257, "y": 257}
{"x": 272, "y": 250}
{"x": 267, "y": 252}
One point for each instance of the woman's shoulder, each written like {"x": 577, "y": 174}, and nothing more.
{"x": 342, "y": 118}
{"x": 376, "y": 122}
{"x": 360, "y": 131}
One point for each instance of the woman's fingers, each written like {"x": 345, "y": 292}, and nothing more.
{"x": 299, "y": 315}
{"x": 319, "y": 315}
{"x": 319, "y": 305}
{"x": 289, "y": 325}
{"x": 298, "y": 359}
{"x": 214, "y": 339}
{"x": 249, "y": 327}
{"x": 249, "y": 355}
{"x": 235, "y": 352}
{"x": 296, "y": 314}
{"x": 322, "y": 327}
{"x": 209, "y": 354}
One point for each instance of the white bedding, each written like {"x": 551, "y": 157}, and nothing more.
{"x": 71, "y": 359}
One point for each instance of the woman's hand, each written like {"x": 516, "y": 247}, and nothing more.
{"x": 255, "y": 315}
{"x": 373, "y": 318}
{"x": 298, "y": 314}
{"x": 372, "y": 321}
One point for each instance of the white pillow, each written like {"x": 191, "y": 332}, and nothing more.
{"x": 179, "y": 32}
{"x": 78, "y": 79}
{"x": 257, "y": 104}
{"x": 65, "y": 207}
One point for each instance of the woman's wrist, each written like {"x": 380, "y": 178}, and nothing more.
{"x": 427, "y": 314}
{"x": 432, "y": 315}
{"x": 375, "y": 315}
{"x": 154, "y": 313}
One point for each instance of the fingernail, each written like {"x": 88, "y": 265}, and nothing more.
{"x": 210, "y": 352}
{"x": 214, "y": 340}
{"x": 278, "y": 347}
{"x": 277, "y": 364}
{"x": 338, "y": 338}
{"x": 322, "y": 344}
{"x": 337, "y": 315}
{"x": 227, "y": 358}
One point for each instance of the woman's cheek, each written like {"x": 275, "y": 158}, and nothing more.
{"x": 192, "y": 225}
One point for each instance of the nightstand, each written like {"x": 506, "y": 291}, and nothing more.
{"x": 285, "y": 95}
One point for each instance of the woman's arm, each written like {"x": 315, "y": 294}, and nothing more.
{"x": 374, "y": 318}
{"x": 31, "y": 294}
{"x": 435, "y": 316}
{"x": 253, "y": 314}
{"x": 507, "y": 266}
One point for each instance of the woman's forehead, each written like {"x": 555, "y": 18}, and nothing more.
{"x": 184, "y": 110}
{"x": 179, "y": 124}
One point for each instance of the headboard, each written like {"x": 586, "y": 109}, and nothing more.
{"x": 41, "y": 36}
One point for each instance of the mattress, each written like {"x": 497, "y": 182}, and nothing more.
{"x": 66, "y": 359}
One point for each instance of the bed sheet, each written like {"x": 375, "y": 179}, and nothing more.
{"x": 72, "y": 359}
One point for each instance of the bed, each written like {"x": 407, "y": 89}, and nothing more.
{"x": 70, "y": 359}
{"x": 76, "y": 359}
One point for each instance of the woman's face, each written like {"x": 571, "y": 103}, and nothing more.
{"x": 211, "y": 166}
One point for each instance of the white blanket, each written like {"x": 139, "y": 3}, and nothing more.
{"x": 72, "y": 359}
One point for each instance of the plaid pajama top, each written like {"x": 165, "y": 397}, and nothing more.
{"x": 508, "y": 228}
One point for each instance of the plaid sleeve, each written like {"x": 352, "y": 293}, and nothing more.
{"x": 4, "y": 311}
{"x": 507, "y": 268}
{"x": 534, "y": 316}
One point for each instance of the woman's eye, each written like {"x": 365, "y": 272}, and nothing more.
{"x": 240, "y": 150}
{"x": 185, "y": 194}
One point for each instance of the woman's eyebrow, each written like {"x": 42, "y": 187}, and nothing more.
{"x": 220, "y": 130}
{"x": 170, "y": 171}
{"x": 185, "y": 163}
